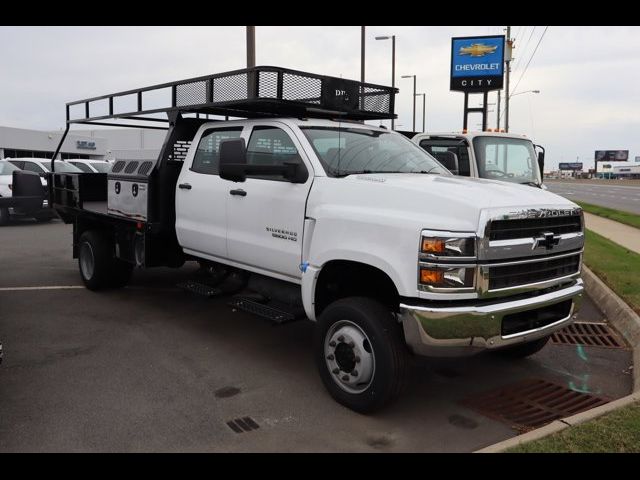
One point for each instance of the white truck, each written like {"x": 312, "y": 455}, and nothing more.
{"x": 300, "y": 210}
{"x": 494, "y": 155}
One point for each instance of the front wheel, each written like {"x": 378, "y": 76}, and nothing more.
{"x": 360, "y": 353}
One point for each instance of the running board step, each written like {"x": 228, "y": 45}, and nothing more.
{"x": 273, "y": 311}
{"x": 200, "y": 289}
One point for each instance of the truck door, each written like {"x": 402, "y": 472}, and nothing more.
{"x": 201, "y": 196}
{"x": 266, "y": 214}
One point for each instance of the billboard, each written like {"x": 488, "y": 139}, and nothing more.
{"x": 477, "y": 63}
{"x": 612, "y": 155}
{"x": 577, "y": 166}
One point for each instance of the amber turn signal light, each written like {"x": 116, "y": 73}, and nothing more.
{"x": 431, "y": 277}
{"x": 432, "y": 245}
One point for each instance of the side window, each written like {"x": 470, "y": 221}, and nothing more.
{"x": 271, "y": 146}
{"x": 82, "y": 166}
{"x": 207, "y": 157}
{"x": 33, "y": 167}
{"x": 461, "y": 151}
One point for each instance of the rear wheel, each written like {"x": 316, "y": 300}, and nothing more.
{"x": 4, "y": 216}
{"x": 524, "y": 349}
{"x": 99, "y": 268}
{"x": 360, "y": 353}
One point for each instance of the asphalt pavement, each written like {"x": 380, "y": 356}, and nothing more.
{"x": 619, "y": 197}
{"x": 152, "y": 368}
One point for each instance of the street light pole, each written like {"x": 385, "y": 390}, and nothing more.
{"x": 251, "y": 47}
{"x": 414, "y": 99}
{"x": 362, "y": 40}
{"x": 508, "y": 75}
{"x": 393, "y": 64}
{"x": 424, "y": 103}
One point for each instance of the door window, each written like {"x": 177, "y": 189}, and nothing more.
{"x": 85, "y": 168}
{"x": 207, "y": 156}
{"x": 272, "y": 146}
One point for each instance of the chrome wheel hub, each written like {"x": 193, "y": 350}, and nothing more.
{"x": 87, "y": 262}
{"x": 349, "y": 356}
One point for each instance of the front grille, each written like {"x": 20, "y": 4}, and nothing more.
{"x": 525, "y": 273}
{"x": 536, "y": 318}
{"x": 531, "y": 227}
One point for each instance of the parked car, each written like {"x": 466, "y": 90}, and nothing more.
{"x": 91, "y": 166}
{"x": 42, "y": 165}
{"x": 37, "y": 165}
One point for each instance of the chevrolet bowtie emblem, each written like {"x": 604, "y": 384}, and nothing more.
{"x": 478, "y": 50}
{"x": 546, "y": 240}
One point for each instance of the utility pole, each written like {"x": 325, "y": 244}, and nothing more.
{"x": 393, "y": 70}
{"x": 251, "y": 47}
{"x": 362, "y": 42}
{"x": 508, "y": 74}
{"x": 414, "y": 103}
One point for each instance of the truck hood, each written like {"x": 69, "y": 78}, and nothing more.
{"x": 434, "y": 201}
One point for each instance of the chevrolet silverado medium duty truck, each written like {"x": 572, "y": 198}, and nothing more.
{"x": 301, "y": 210}
{"x": 494, "y": 155}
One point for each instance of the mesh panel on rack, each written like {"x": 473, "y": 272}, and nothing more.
{"x": 180, "y": 149}
{"x": 375, "y": 100}
{"x": 193, "y": 93}
{"x": 268, "y": 84}
{"x": 230, "y": 88}
{"x": 302, "y": 89}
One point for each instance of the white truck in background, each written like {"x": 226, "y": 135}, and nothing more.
{"x": 493, "y": 155}
{"x": 302, "y": 211}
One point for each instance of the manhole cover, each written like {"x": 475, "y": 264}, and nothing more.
{"x": 244, "y": 424}
{"x": 588, "y": 334}
{"x": 532, "y": 403}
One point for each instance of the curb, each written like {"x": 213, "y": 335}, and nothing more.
{"x": 627, "y": 322}
{"x": 620, "y": 315}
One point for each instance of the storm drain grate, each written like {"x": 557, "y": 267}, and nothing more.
{"x": 244, "y": 424}
{"x": 588, "y": 334}
{"x": 532, "y": 403}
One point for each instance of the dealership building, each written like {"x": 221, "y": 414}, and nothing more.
{"x": 98, "y": 144}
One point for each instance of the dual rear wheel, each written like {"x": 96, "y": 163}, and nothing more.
{"x": 99, "y": 267}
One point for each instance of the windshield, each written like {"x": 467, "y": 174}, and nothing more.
{"x": 347, "y": 151}
{"x": 509, "y": 159}
{"x": 63, "y": 167}
{"x": 7, "y": 168}
{"x": 102, "y": 167}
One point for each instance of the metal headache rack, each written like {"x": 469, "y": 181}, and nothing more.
{"x": 249, "y": 93}
{"x": 256, "y": 92}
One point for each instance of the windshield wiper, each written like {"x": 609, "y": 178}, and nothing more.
{"x": 533, "y": 184}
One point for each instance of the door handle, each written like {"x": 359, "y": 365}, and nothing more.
{"x": 185, "y": 186}
{"x": 239, "y": 192}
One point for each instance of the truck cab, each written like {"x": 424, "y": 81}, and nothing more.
{"x": 493, "y": 155}
{"x": 302, "y": 211}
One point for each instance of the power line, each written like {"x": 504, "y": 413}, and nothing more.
{"x": 533, "y": 29}
{"x": 531, "y": 58}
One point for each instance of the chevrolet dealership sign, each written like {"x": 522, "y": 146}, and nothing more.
{"x": 477, "y": 63}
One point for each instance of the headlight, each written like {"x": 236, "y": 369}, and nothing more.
{"x": 441, "y": 276}
{"x": 448, "y": 245}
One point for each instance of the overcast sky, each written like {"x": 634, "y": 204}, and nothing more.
{"x": 588, "y": 76}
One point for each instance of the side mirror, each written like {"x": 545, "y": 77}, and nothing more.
{"x": 233, "y": 160}
{"x": 234, "y": 166}
{"x": 540, "y": 159}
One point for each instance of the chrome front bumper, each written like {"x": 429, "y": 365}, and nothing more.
{"x": 456, "y": 331}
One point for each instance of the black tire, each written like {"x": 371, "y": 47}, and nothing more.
{"x": 387, "y": 348}
{"x": 99, "y": 268}
{"x": 4, "y": 216}
{"x": 524, "y": 350}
